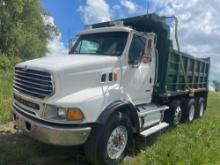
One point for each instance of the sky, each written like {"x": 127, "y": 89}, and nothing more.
{"x": 70, "y": 16}
{"x": 199, "y": 22}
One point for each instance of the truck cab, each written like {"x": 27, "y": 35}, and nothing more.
{"x": 98, "y": 95}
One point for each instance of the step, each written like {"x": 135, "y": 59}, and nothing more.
{"x": 144, "y": 110}
{"x": 154, "y": 129}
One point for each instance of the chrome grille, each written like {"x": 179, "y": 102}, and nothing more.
{"x": 33, "y": 82}
{"x": 28, "y": 104}
{"x": 23, "y": 109}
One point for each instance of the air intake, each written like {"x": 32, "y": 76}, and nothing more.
{"x": 35, "y": 83}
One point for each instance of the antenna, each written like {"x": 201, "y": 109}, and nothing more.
{"x": 69, "y": 33}
{"x": 148, "y": 5}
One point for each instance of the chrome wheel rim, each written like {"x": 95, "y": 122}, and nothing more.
{"x": 191, "y": 113}
{"x": 177, "y": 115}
{"x": 201, "y": 110}
{"x": 117, "y": 142}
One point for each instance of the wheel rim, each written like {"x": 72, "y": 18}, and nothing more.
{"x": 117, "y": 142}
{"x": 201, "y": 110}
{"x": 177, "y": 115}
{"x": 191, "y": 113}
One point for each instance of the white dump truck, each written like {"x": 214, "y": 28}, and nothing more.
{"x": 120, "y": 78}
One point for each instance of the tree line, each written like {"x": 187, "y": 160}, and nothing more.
{"x": 23, "y": 32}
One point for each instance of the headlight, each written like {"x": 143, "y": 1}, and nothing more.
{"x": 62, "y": 113}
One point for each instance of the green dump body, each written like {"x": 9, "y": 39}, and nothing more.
{"x": 171, "y": 81}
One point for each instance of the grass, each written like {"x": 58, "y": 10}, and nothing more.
{"x": 5, "y": 95}
{"x": 188, "y": 144}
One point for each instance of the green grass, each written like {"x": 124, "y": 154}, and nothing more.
{"x": 5, "y": 95}
{"x": 6, "y": 74}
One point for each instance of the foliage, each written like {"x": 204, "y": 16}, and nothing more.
{"x": 8, "y": 63}
{"x": 23, "y": 32}
{"x": 216, "y": 85}
{"x": 6, "y": 74}
{"x": 5, "y": 95}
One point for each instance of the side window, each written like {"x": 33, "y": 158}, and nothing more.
{"x": 137, "y": 49}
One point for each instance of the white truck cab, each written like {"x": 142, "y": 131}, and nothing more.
{"x": 98, "y": 95}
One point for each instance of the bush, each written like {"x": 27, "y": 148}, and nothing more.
{"x": 8, "y": 63}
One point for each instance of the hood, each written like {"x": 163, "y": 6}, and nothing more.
{"x": 74, "y": 73}
{"x": 66, "y": 62}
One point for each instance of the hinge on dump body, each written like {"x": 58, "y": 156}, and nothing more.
{"x": 191, "y": 92}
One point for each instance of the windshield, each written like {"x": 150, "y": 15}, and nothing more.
{"x": 109, "y": 44}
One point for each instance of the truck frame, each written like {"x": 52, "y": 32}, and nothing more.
{"x": 120, "y": 78}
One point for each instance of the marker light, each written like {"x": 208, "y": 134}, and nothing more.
{"x": 115, "y": 76}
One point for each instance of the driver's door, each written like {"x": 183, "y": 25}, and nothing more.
{"x": 140, "y": 73}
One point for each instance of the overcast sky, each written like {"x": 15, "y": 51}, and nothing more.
{"x": 199, "y": 21}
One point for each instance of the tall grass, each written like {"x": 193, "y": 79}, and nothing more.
{"x": 5, "y": 95}
{"x": 6, "y": 73}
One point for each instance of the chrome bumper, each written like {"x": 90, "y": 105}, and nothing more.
{"x": 55, "y": 135}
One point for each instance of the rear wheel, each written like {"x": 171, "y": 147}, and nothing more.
{"x": 200, "y": 107}
{"x": 108, "y": 144}
{"x": 174, "y": 114}
{"x": 189, "y": 110}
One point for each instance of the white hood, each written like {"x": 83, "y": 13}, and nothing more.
{"x": 74, "y": 73}
{"x": 66, "y": 62}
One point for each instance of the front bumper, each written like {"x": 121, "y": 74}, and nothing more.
{"x": 56, "y": 135}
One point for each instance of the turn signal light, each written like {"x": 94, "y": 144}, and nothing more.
{"x": 74, "y": 114}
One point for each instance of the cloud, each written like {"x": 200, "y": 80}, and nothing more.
{"x": 55, "y": 46}
{"x": 101, "y": 11}
{"x": 95, "y": 11}
{"x": 131, "y": 6}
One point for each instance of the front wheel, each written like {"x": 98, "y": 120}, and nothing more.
{"x": 108, "y": 144}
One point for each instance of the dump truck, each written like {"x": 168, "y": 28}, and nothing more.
{"x": 120, "y": 78}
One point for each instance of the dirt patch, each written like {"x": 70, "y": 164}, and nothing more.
{"x": 18, "y": 148}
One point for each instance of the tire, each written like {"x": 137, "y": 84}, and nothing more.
{"x": 189, "y": 110}
{"x": 103, "y": 140}
{"x": 200, "y": 107}
{"x": 174, "y": 115}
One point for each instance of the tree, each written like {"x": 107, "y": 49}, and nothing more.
{"x": 216, "y": 85}
{"x": 22, "y": 29}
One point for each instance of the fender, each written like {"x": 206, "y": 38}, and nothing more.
{"x": 120, "y": 106}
